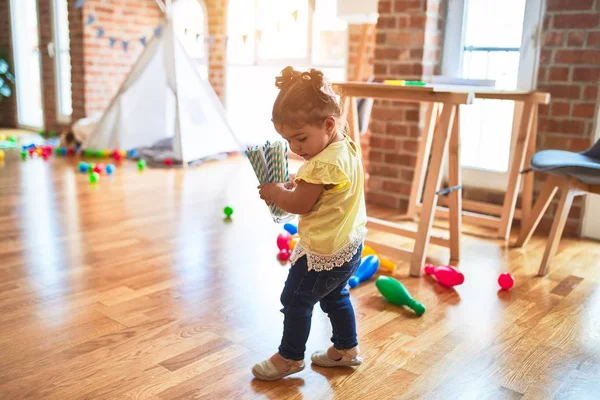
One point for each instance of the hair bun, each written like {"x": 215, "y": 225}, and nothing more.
{"x": 288, "y": 75}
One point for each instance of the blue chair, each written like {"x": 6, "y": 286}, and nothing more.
{"x": 574, "y": 174}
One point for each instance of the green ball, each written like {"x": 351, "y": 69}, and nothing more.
{"x": 141, "y": 164}
{"x": 94, "y": 176}
{"x": 228, "y": 211}
{"x": 88, "y": 152}
{"x": 24, "y": 155}
{"x": 99, "y": 153}
{"x": 12, "y": 139}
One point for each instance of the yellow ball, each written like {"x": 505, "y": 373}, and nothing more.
{"x": 122, "y": 153}
{"x": 1, "y": 155}
{"x": 2, "y": 136}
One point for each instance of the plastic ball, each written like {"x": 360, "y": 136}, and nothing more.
{"x": 99, "y": 153}
{"x": 1, "y": 155}
{"x": 71, "y": 152}
{"x": 45, "y": 156}
{"x": 94, "y": 176}
{"x": 2, "y": 136}
{"x": 228, "y": 211}
{"x": 24, "y": 155}
{"x": 109, "y": 169}
{"x": 106, "y": 153}
{"x": 132, "y": 153}
{"x": 141, "y": 164}
{"x": 38, "y": 151}
{"x": 291, "y": 228}
{"x": 283, "y": 241}
{"x": 12, "y": 139}
{"x": 88, "y": 152}
{"x": 283, "y": 255}
{"x": 98, "y": 168}
{"x": 83, "y": 167}
{"x": 506, "y": 281}
{"x": 122, "y": 153}
{"x": 293, "y": 243}
{"x": 116, "y": 155}
{"x": 168, "y": 162}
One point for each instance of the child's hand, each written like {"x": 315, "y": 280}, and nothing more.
{"x": 266, "y": 190}
{"x": 290, "y": 185}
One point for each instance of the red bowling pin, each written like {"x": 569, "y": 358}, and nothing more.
{"x": 447, "y": 276}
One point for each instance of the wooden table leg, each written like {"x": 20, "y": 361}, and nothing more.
{"x": 351, "y": 114}
{"x": 514, "y": 174}
{"x": 455, "y": 198}
{"x": 422, "y": 160}
{"x": 434, "y": 176}
{"x": 527, "y": 193}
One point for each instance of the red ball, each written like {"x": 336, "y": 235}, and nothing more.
{"x": 98, "y": 168}
{"x": 71, "y": 152}
{"x": 168, "y": 162}
{"x": 283, "y": 255}
{"x": 506, "y": 281}
{"x": 283, "y": 241}
{"x": 116, "y": 155}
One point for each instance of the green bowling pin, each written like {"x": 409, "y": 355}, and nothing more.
{"x": 396, "y": 293}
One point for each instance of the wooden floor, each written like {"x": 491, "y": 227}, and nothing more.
{"x": 136, "y": 288}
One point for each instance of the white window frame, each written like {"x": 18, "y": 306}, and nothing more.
{"x": 16, "y": 62}
{"x": 526, "y": 80}
{"x": 54, "y": 49}
{"x": 297, "y": 62}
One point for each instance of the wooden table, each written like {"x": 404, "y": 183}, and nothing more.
{"x": 489, "y": 215}
{"x": 441, "y": 133}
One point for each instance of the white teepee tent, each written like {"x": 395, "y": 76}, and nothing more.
{"x": 164, "y": 96}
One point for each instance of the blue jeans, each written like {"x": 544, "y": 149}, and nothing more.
{"x": 303, "y": 289}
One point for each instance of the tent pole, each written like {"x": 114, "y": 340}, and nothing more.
{"x": 161, "y": 5}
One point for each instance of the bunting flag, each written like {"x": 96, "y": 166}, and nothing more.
{"x": 125, "y": 45}
{"x": 143, "y": 41}
{"x": 295, "y": 15}
{"x": 198, "y": 36}
{"x": 90, "y": 19}
{"x": 112, "y": 41}
{"x": 100, "y": 32}
{"x": 244, "y": 38}
{"x": 79, "y": 4}
{"x": 259, "y": 35}
{"x": 158, "y": 31}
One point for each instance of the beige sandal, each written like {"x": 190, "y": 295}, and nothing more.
{"x": 267, "y": 371}
{"x": 350, "y": 358}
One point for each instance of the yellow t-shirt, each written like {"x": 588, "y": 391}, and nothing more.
{"x": 332, "y": 231}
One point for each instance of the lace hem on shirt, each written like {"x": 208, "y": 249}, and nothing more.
{"x": 319, "y": 262}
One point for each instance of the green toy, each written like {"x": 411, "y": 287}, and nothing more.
{"x": 141, "y": 164}
{"x": 228, "y": 211}
{"x": 12, "y": 139}
{"x": 94, "y": 176}
{"x": 24, "y": 155}
{"x": 396, "y": 293}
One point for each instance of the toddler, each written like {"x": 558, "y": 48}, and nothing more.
{"x": 328, "y": 195}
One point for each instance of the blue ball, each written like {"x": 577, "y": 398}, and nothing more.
{"x": 109, "y": 169}
{"x": 132, "y": 153}
{"x": 291, "y": 228}
{"x": 83, "y": 167}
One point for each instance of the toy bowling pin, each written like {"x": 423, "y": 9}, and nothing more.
{"x": 447, "y": 276}
{"x": 367, "y": 268}
{"x": 396, "y": 293}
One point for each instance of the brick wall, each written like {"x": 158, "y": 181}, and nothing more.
{"x": 570, "y": 71}
{"x": 407, "y": 46}
{"x": 355, "y": 34}
{"x": 217, "y": 28}
{"x": 8, "y": 106}
{"x": 105, "y": 68}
